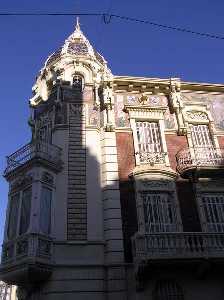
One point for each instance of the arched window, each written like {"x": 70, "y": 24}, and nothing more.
{"x": 168, "y": 290}
{"x": 78, "y": 82}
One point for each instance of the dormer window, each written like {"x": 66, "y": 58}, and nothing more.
{"x": 78, "y": 83}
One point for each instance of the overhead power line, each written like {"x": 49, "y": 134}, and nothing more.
{"x": 107, "y": 18}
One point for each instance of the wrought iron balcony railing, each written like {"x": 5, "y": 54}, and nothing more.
{"x": 200, "y": 157}
{"x": 152, "y": 157}
{"x": 177, "y": 245}
{"x": 29, "y": 246}
{"x": 36, "y": 149}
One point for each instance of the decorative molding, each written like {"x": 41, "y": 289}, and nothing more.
{"x": 145, "y": 112}
{"x": 197, "y": 116}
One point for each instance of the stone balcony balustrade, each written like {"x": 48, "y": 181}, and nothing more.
{"x": 203, "y": 160}
{"x": 28, "y": 253}
{"x": 36, "y": 150}
{"x": 177, "y": 245}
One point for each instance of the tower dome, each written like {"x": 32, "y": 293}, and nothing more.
{"x": 76, "y": 45}
{"x": 75, "y": 56}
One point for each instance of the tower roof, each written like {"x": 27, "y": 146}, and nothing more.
{"x": 76, "y": 45}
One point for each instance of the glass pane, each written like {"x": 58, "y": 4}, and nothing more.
{"x": 13, "y": 216}
{"x": 45, "y": 210}
{"x": 25, "y": 211}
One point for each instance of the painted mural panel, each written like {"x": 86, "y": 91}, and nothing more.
{"x": 217, "y": 110}
{"x": 152, "y": 100}
{"x": 170, "y": 120}
{"x": 121, "y": 118}
{"x": 192, "y": 97}
{"x": 215, "y": 104}
{"x": 94, "y": 115}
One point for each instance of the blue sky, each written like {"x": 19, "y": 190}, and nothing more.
{"x": 130, "y": 49}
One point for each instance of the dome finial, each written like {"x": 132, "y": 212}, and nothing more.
{"x": 77, "y": 26}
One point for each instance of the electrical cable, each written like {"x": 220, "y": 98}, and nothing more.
{"x": 107, "y": 18}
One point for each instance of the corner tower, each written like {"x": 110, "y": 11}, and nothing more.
{"x": 63, "y": 233}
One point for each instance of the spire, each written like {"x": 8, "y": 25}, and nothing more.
{"x": 77, "y": 26}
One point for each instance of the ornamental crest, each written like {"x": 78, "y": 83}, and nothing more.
{"x": 197, "y": 116}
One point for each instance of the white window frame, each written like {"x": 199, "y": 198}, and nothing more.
{"x": 148, "y": 114}
{"x": 199, "y": 115}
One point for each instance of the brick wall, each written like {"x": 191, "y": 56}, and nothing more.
{"x": 126, "y": 164}
{"x": 221, "y": 141}
{"x": 174, "y": 144}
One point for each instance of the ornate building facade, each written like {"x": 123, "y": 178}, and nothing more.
{"x": 119, "y": 194}
{"x": 7, "y": 292}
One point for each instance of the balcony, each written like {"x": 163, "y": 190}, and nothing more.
{"x": 177, "y": 245}
{"x": 200, "y": 161}
{"x": 34, "y": 151}
{"x": 26, "y": 254}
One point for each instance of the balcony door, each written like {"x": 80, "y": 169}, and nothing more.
{"x": 149, "y": 141}
{"x": 213, "y": 212}
{"x": 202, "y": 143}
{"x": 159, "y": 212}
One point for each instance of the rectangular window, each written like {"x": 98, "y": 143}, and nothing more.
{"x": 202, "y": 143}
{"x": 160, "y": 212}
{"x": 213, "y": 209}
{"x": 201, "y": 136}
{"x": 25, "y": 210}
{"x": 13, "y": 216}
{"x": 45, "y": 210}
{"x": 149, "y": 141}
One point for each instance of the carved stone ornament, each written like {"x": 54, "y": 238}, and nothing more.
{"x": 152, "y": 158}
{"x": 77, "y": 110}
{"x": 196, "y": 116}
{"x": 22, "y": 181}
{"x": 47, "y": 178}
{"x": 143, "y": 99}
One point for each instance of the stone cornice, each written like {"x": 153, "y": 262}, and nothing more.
{"x": 145, "y": 111}
{"x": 164, "y": 84}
